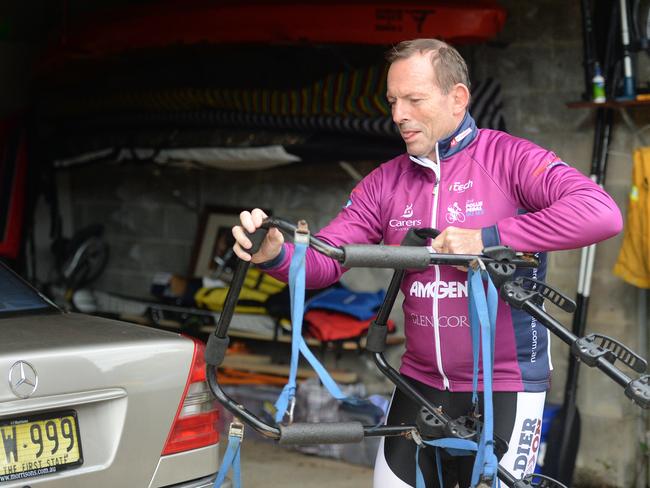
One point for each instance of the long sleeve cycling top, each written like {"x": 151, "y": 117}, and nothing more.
{"x": 518, "y": 194}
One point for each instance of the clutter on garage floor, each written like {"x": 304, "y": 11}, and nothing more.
{"x": 314, "y": 404}
{"x": 282, "y": 467}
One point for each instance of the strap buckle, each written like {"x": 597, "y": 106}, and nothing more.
{"x": 478, "y": 264}
{"x": 301, "y": 235}
{"x": 417, "y": 438}
{"x": 292, "y": 406}
{"x": 236, "y": 429}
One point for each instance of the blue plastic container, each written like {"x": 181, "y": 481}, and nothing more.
{"x": 550, "y": 411}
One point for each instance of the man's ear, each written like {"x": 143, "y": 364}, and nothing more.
{"x": 460, "y": 95}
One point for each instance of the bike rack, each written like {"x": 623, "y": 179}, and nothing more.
{"x": 501, "y": 263}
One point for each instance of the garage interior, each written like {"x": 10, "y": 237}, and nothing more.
{"x": 141, "y": 142}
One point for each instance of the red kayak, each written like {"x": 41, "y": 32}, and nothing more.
{"x": 178, "y": 22}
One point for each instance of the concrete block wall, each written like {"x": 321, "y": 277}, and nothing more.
{"x": 149, "y": 219}
{"x": 151, "y": 214}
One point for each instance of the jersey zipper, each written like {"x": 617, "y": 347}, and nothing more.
{"x": 436, "y": 271}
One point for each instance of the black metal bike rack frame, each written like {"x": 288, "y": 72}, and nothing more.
{"x": 500, "y": 263}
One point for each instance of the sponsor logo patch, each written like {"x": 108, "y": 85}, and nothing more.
{"x": 454, "y": 214}
{"x": 438, "y": 289}
{"x": 459, "y": 187}
{"x": 473, "y": 207}
{"x": 451, "y": 321}
{"x": 350, "y": 202}
{"x": 546, "y": 165}
{"x": 460, "y": 136}
{"x": 406, "y": 222}
{"x": 528, "y": 446}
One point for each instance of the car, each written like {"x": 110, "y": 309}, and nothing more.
{"x": 95, "y": 402}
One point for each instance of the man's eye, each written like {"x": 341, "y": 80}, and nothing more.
{"x": 416, "y": 100}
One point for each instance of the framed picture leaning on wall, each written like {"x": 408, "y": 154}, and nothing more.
{"x": 212, "y": 254}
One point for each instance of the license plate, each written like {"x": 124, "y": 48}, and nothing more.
{"x": 39, "y": 445}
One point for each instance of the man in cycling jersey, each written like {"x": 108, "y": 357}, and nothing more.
{"x": 480, "y": 188}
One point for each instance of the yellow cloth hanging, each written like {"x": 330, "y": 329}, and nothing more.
{"x": 633, "y": 263}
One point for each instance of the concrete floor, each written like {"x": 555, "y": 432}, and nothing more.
{"x": 264, "y": 464}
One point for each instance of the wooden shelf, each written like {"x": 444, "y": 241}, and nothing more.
{"x": 609, "y": 104}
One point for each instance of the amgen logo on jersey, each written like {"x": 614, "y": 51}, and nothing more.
{"x": 438, "y": 289}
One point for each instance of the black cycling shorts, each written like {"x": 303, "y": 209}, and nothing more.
{"x": 517, "y": 420}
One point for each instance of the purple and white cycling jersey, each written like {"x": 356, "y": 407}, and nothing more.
{"x": 518, "y": 194}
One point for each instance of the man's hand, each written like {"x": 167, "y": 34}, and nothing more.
{"x": 454, "y": 240}
{"x": 271, "y": 245}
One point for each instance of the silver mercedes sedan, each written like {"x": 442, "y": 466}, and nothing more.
{"x": 91, "y": 402}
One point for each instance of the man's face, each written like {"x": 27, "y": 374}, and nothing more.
{"x": 421, "y": 111}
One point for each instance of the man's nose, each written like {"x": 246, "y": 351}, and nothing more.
{"x": 400, "y": 114}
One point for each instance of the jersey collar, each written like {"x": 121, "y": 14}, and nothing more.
{"x": 455, "y": 142}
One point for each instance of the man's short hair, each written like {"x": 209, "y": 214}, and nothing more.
{"x": 449, "y": 66}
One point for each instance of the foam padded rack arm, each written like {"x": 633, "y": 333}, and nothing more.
{"x": 394, "y": 257}
{"x": 215, "y": 350}
{"x": 321, "y": 433}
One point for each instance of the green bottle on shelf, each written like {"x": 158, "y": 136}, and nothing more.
{"x": 598, "y": 85}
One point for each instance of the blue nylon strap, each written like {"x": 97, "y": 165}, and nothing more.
{"x": 297, "y": 293}
{"x": 483, "y": 313}
{"x": 298, "y": 345}
{"x": 476, "y": 340}
{"x": 230, "y": 458}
